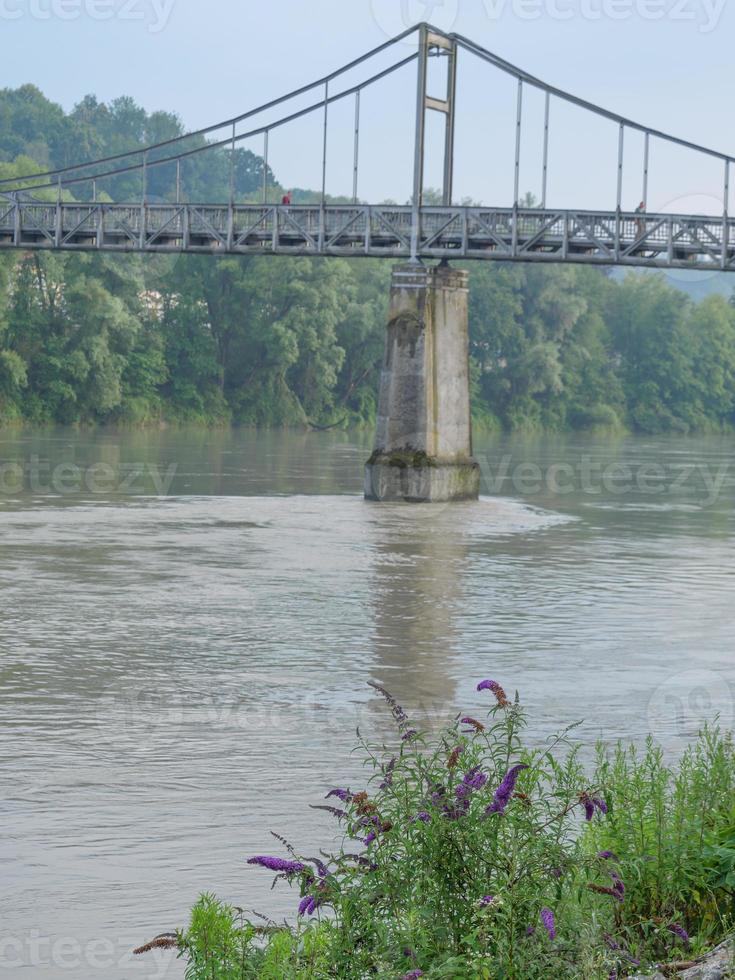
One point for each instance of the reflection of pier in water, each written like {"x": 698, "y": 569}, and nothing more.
{"x": 419, "y": 564}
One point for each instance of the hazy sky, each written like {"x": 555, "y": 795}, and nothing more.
{"x": 667, "y": 63}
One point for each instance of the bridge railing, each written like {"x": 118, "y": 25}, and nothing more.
{"x": 526, "y": 234}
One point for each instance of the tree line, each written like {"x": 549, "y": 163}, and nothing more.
{"x": 268, "y": 341}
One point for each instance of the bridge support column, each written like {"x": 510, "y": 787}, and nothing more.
{"x": 423, "y": 446}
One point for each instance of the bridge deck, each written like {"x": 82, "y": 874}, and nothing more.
{"x": 529, "y": 235}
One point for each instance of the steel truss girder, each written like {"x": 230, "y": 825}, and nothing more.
{"x": 515, "y": 234}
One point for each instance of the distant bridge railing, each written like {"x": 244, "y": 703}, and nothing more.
{"x": 388, "y": 231}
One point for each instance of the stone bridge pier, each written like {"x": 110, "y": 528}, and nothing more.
{"x": 423, "y": 446}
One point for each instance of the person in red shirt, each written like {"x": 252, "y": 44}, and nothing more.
{"x": 287, "y": 198}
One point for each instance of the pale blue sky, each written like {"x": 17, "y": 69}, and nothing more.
{"x": 208, "y": 61}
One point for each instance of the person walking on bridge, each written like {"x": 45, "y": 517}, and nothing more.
{"x": 640, "y": 223}
{"x": 287, "y": 197}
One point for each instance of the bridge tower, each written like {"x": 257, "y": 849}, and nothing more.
{"x": 423, "y": 444}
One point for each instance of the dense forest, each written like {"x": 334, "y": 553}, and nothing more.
{"x": 96, "y": 339}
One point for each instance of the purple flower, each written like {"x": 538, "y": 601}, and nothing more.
{"x": 487, "y": 900}
{"x": 547, "y": 919}
{"x": 341, "y": 794}
{"x": 370, "y": 837}
{"x": 398, "y": 713}
{"x": 339, "y": 814}
{"x": 320, "y": 866}
{"x": 607, "y": 856}
{"x": 488, "y": 686}
{"x": 618, "y": 885}
{"x": 615, "y": 946}
{"x": 410, "y": 734}
{"x": 388, "y": 781}
{"x": 455, "y": 812}
{"x": 506, "y": 789}
{"x": 679, "y": 931}
{"x": 475, "y": 779}
{"x": 308, "y": 905}
{"x": 530, "y": 930}
{"x": 279, "y": 865}
{"x": 592, "y": 805}
{"x": 475, "y": 726}
{"x": 413, "y": 975}
{"x": 438, "y": 795}
{"x": 422, "y": 817}
{"x": 500, "y": 695}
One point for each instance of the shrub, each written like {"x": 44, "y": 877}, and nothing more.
{"x": 673, "y": 832}
{"x": 471, "y": 855}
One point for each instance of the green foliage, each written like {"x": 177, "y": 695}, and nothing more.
{"x": 220, "y": 944}
{"x": 298, "y": 342}
{"x": 673, "y": 833}
{"x": 464, "y": 844}
{"x": 33, "y": 127}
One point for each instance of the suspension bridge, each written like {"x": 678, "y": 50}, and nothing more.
{"x": 416, "y": 231}
{"x": 423, "y": 446}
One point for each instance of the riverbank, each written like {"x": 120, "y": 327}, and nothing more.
{"x": 717, "y": 965}
{"x": 468, "y": 852}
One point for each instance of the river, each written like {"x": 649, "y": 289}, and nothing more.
{"x": 189, "y": 620}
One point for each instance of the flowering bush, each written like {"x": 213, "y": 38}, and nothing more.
{"x": 465, "y": 854}
{"x": 672, "y": 834}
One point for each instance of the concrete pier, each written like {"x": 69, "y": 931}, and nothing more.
{"x": 423, "y": 446}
